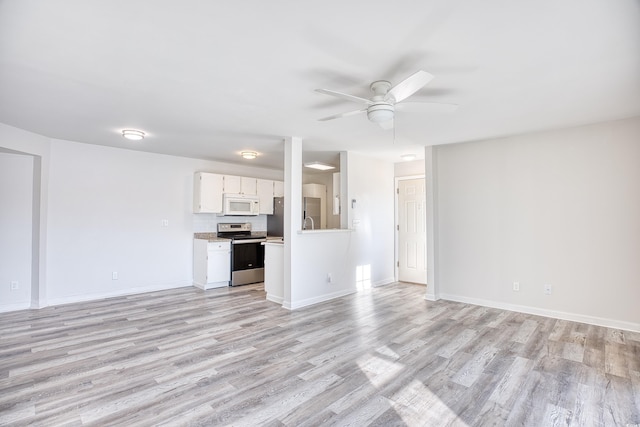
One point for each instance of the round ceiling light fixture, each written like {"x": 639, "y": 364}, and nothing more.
{"x": 133, "y": 135}
{"x": 408, "y": 157}
{"x": 249, "y": 155}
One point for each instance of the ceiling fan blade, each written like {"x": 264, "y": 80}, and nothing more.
{"x": 348, "y": 97}
{"x": 409, "y": 86}
{"x": 347, "y": 114}
{"x": 386, "y": 125}
{"x": 426, "y": 107}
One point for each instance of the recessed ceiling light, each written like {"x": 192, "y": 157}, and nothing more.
{"x": 132, "y": 134}
{"x": 249, "y": 155}
{"x": 408, "y": 157}
{"x": 319, "y": 166}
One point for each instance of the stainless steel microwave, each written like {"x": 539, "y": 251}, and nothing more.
{"x": 240, "y": 204}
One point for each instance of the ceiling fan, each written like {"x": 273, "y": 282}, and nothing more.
{"x": 386, "y": 100}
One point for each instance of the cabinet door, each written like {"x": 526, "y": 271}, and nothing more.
{"x": 278, "y": 189}
{"x": 218, "y": 262}
{"x": 248, "y": 186}
{"x": 232, "y": 184}
{"x": 314, "y": 190}
{"x": 265, "y": 193}
{"x": 207, "y": 193}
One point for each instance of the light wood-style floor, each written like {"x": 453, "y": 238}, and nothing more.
{"x": 382, "y": 357}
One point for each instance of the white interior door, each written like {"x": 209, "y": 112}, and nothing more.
{"x": 411, "y": 229}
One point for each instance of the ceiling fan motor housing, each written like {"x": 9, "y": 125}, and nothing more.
{"x": 380, "y": 112}
{"x": 381, "y": 107}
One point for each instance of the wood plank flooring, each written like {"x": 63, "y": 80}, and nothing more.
{"x": 381, "y": 357}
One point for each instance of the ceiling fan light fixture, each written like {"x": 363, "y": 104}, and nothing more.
{"x": 133, "y": 135}
{"x": 319, "y": 166}
{"x": 379, "y": 113}
{"x": 249, "y": 155}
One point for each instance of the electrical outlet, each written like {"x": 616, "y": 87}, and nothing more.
{"x": 114, "y": 275}
{"x": 165, "y": 222}
{"x": 15, "y": 285}
{"x": 547, "y": 289}
{"x": 516, "y": 286}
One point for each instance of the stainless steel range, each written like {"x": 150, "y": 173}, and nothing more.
{"x": 247, "y": 252}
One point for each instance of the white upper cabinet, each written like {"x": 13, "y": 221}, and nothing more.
{"x": 208, "y": 189}
{"x": 314, "y": 190}
{"x": 207, "y": 192}
{"x": 265, "y": 193}
{"x": 248, "y": 186}
{"x": 240, "y": 185}
{"x": 278, "y": 189}
{"x": 232, "y": 184}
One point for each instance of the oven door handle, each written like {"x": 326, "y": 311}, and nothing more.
{"x": 240, "y": 242}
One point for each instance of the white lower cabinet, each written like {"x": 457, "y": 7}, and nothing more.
{"x": 211, "y": 263}
{"x": 274, "y": 271}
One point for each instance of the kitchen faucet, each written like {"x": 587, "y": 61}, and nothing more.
{"x": 304, "y": 223}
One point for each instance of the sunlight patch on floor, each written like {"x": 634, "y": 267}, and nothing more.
{"x": 363, "y": 277}
{"x": 379, "y": 371}
{"x": 417, "y": 405}
{"x": 386, "y": 351}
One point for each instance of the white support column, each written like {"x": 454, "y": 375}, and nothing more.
{"x": 430, "y": 175}
{"x": 292, "y": 211}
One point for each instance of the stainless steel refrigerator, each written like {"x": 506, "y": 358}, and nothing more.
{"x": 311, "y": 209}
{"x": 275, "y": 222}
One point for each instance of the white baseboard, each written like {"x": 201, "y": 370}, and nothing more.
{"x": 574, "y": 317}
{"x": 431, "y": 297}
{"x": 213, "y": 285}
{"x": 36, "y": 304}
{"x": 273, "y": 298}
{"x": 387, "y": 281}
{"x": 5, "y": 308}
{"x": 315, "y": 300}
{"x": 118, "y": 293}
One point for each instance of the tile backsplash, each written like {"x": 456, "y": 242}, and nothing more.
{"x": 207, "y": 223}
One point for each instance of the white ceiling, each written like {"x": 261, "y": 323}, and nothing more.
{"x": 208, "y": 79}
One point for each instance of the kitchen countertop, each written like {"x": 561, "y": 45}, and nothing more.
{"x": 213, "y": 237}
{"x": 278, "y": 242}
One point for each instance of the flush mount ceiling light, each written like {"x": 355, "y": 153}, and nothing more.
{"x": 133, "y": 135}
{"x": 319, "y": 166}
{"x": 408, "y": 157}
{"x": 249, "y": 155}
{"x": 382, "y": 112}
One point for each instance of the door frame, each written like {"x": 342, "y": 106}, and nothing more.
{"x": 396, "y": 246}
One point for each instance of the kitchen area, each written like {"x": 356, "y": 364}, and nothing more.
{"x": 239, "y": 224}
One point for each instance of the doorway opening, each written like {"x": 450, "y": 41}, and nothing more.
{"x": 411, "y": 232}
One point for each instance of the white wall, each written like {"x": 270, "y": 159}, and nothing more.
{"x": 106, "y": 207}
{"x": 38, "y": 148}
{"x": 371, "y": 184}
{"x": 16, "y": 194}
{"x": 344, "y": 254}
{"x": 319, "y": 254}
{"x": 412, "y": 168}
{"x": 560, "y": 207}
